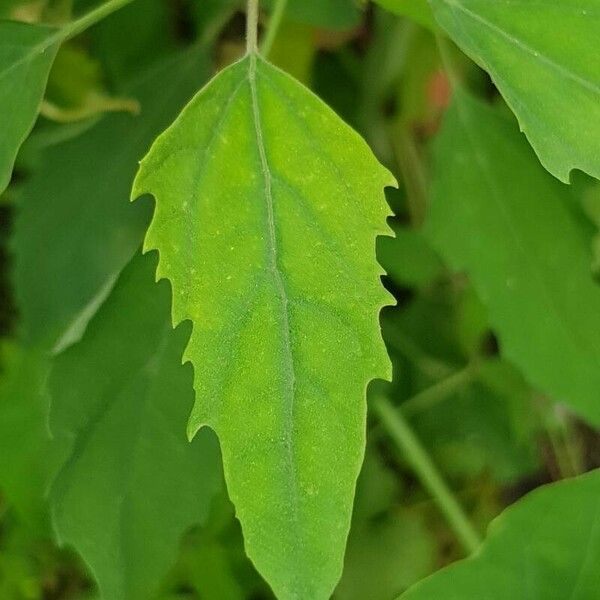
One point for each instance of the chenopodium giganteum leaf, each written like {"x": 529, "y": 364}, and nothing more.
{"x": 267, "y": 209}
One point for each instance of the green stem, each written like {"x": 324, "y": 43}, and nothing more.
{"x": 273, "y": 27}
{"x": 96, "y": 105}
{"x": 439, "y": 391}
{"x": 252, "y": 27}
{"x": 402, "y": 434}
{"x": 91, "y": 18}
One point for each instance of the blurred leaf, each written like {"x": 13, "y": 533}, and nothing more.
{"x": 68, "y": 251}
{"x": 21, "y": 10}
{"x": 132, "y": 483}
{"x": 32, "y": 568}
{"x": 431, "y": 322}
{"x": 208, "y": 12}
{"x": 253, "y": 229}
{"x": 331, "y": 14}
{"x": 389, "y": 548}
{"x": 27, "y": 52}
{"x": 294, "y": 50}
{"x": 26, "y": 56}
{"x": 417, "y": 10}
{"x": 213, "y": 563}
{"x": 336, "y": 81}
{"x": 496, "y": 214}
{"x": 424, "y": 90}
{"x": 545, "y": 546}
{"x": 29, "y": 459}
{"x": 486, "y": 427}
{"x": 74, "y": 73}
{"x": 124, "y": 55}
{"x": 538, "y": 55}
{"x": 75, "y": 90}
{"x": 408, "y": 257}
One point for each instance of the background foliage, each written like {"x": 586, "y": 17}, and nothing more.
{"x": 491, "y": 262}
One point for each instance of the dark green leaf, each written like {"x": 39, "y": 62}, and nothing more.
{"x": 26, "y": 56}
{"x": 29, "y": 459}
{"x": 75, "y": 229}
{"x": 500, "y": 217}
{"x": 543, "y": 56}
{"x": 545, "y": 546}
{"x": 417, "y": 10}
{"x": 334, "y": 14}
{"x": 120, "y": 400}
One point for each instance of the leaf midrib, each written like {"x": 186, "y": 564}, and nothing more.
{"x": 279, "y": 281}
{"x": 55, "y": 36}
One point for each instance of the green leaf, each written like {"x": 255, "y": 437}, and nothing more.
{"x": 417, "y": 10}
{"x": 29, "y": 459}
{"x": 26, "y": 56}
{"x": 132, "y": 483}
{"x": 333, "y": 14}
{"x": 267, "y": 208}
{"x": 545, "y": 546}
{"x": 543, "y": 58}
{"x": 68, "y": 252}
{"x": 496, "y": 214}
{"x": 408, "y": 258}
{"x": 122, "y": 54}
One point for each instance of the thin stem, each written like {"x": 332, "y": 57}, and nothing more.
{"x": 273, "y": 27}
{"x": 91, "y": 18}
{"x": 96, "y": 105}
{"x": 401, "y": 433}
{"x": 439, "y": 391}
{"x": 252, "y": 27}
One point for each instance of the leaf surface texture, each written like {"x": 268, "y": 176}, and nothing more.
{"x": 267, "y": 209}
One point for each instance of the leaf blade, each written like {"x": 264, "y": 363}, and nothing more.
{"x": 25, "y": 444}
{"x": 132, "y": 484}
{"x": 26, "y": 56}
{"x": 502, "y": 219}
{"x": 537, "y": 55}
{"x": 562, "y": 528}
{"x": 259, "y": 295}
